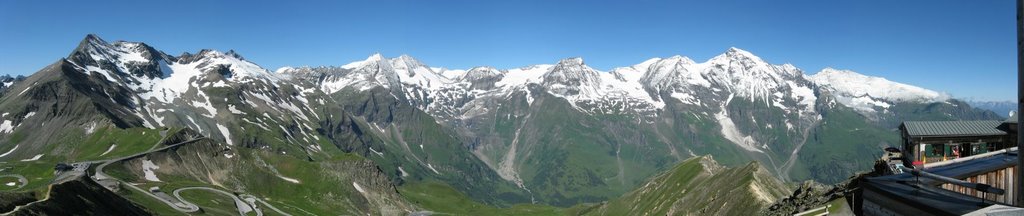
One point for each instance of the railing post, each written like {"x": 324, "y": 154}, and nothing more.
{"x": 1020, "y": 102}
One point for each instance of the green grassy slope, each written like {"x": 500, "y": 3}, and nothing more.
{"x": 699, "y": 186}
{"x": 442, "y": 199}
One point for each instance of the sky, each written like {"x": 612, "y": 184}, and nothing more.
{"x": 964, "y": 48}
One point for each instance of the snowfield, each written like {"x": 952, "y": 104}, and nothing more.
{"x": 147, "y": 169}
{"x": 865, "y": 93}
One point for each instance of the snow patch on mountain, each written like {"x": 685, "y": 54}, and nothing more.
{"x": 744, "y": 74}
{"x": 226, "y": 133}
{"x": 358, "y": 188}
{"x": 7, "y": 127}
{"x": 372, "y": 58}
{"x": 519, "y": 77}
{"x": 34, "y": 158}
{"x": 109, "y": 149}
{"x": 413, "y": 73}
{"x": 233, "y": 110}
{"x": 733, "y": 133}
{"x": 404, "y": 173}
{"x": 183, "y": 76}
{"x": 147, "y": 169}
{"x": 432, "y": 169}
{"x": 25, "y": 90}
{"x": 10, "y": 151}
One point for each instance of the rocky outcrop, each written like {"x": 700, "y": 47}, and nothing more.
{"x": 811, "y": 194}
{"x": 10, "y": 200}
{"x": 81, "y": 196}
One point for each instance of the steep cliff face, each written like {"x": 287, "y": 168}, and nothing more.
{"x": 810, "y": 194}
{"x": 55, "y": 105}
{"x": 10, "y": 200}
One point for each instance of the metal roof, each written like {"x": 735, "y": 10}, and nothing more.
{"x": 953, "y": 128}
{"x": 923, "y": 193}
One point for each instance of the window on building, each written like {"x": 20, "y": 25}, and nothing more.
{"x": 935, "y": 150}
{"x": 980, "y": 148}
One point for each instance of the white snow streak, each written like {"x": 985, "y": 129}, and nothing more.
{"x": 35, "y": 158}
{"x": 226, "y": 133}
{"x": 731, "y": 132}
{"x": 147, "y": 169}
{"x": 10, "y": 151}
{"x": 111, "y": 148}
{"x": 296, "y": 181}
{"x": 358, "y": 188}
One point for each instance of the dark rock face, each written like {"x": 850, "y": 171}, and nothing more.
{"x": 6, "y": 81}
{"x": 10, "y": 200}
{"x": 811, "y": 194}
{"x": 82, "y": 196}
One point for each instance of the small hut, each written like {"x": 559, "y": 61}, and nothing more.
{"x": 933, "y": 141}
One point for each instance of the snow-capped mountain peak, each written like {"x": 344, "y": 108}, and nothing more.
{"x": 94, "y": 55}
{"x": 737, "y": 53}
{"x": 409, "y": 60}
{"x": 710, "y": 89}
{"x": 375, "y": 57}
{"x": 867, "y": 92}
{"x": 857, "y": 84}
{"x": 676, "y": 70}
{"x": 285, "y": 70}
{"x": 571, "y": 77}
{"x": 574, "y": 61}
{"x": 734, "y": 57}
{"x": 230, "y": 65}
{"x": 681, "y": 59}
{"x": 414, "y": 73}
{"x": 750, "y": 76}
{"x": 478, "y": 73}
{"x": 735, "y": 72}
{"x": 119, "y": 50}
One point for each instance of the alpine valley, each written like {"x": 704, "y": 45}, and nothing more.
{"x": 394, "y": 136}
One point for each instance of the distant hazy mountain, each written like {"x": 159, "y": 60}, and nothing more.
{"x": 1003, "y": 108}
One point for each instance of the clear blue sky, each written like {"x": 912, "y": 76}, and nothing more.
{"x": 966, "y": 48}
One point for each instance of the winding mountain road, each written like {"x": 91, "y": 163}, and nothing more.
{"x": 244, "y": 203}
{"x": 247, "y": 197}
{"x": 181, "y": 204}
{"x": 242, "y": 206}
{"x": 21, "y": 180}
{"x": 176, "y": 205}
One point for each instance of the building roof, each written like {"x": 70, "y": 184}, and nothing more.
{"x": 953, "y": 128}
{"x": 924, "y": 193}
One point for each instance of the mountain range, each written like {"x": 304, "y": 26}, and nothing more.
{"x": 1003, "y": 108}
{"x": 555, "y": 134}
